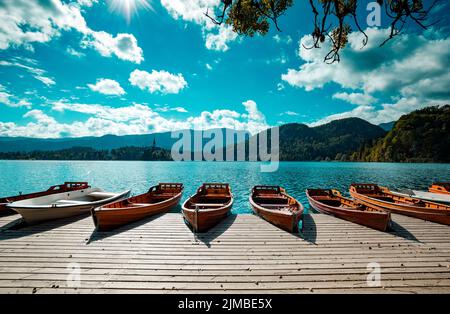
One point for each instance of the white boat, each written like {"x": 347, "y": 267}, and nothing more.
{"x": 422, "y": 195}
{"x": 64, "y": 205}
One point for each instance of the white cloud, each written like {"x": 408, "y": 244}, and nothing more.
{"x": 37, "y": 73}
{"x": 107, "y": 87}
{"x": 252, "y": 110}
{"x": 120, "y": 114}
{"x": 282, "y": 39}
{"x": 356, "y": 98}
{"x": 405, "y": 61}
{"x": 6, "y": 99}
{"x": 27, "y": 22}
{"x": 133, "y": 119}
{"x": 14, "y": 13}
{"x": 289, "y": 113}
{"x": 216, "y": 37}
{"x": 158, "y": 81}
{"x": 40, "y": 117}
{"x": 46, "y": 80}
{"x": 208, "y": 66}
{"x": 74, "y": 52}
{"x": 87, "y": 3}
{"x": 167, "y": 109}
{"x": 253, "y": 120}
{"x": 221, "y": 39}
{"x": 411, "y": 71}
{"x": 387, "y": 113}
{"x": 191, "y": 10}
{"x": 123, "y": 46}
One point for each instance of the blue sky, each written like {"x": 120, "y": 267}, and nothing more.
{"x": 77, "y": 68}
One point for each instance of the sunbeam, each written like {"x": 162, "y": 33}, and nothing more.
{"x": 128, "y": 8}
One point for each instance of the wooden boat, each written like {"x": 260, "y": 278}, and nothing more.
{"x": 440, "y": 188}
{"x": 66, "y": 187}
{"x": 207, "y": 207}
{"x": 381, "y": 198}
{"x": 331, "y": 202}
{"x": 422, "y": 195}
{"x": 158, "y": 199}
{"x": 61, "y": 205}
{"x": 273, "y": 204}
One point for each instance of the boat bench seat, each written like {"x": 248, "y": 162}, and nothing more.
{"x": 274, "y": 205}
{"x": 102, "y": 195}
{"x": 164, "y": 195}
{"x": 71, "y": 202}
{"x": 209, "y": 205}
{"x": 270, "y": 196}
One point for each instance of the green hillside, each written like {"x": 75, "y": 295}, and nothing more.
{"x": 421, "y": 136}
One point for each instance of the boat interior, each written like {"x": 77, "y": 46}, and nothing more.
{"x": 86, "y": 199}
{"x": 440, "y": 187}
{"x": 327, "y": 197}
{"x": 383, "y": 194}
{"x": 210, "y": 195}
{"x": 272, "y": 197}
{"x": 335, "y": 199}
{"x": 156, "y": 194}
{"x": 67, "y": 186}
{"x": 71, "y": 198}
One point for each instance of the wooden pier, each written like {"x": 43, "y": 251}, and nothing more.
{"x": 244, "y": 254}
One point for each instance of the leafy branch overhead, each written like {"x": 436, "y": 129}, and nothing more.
{"x": 333, "y": 19}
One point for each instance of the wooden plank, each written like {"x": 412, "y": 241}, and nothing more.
{"x": 242, "y": 255}
{"x": 54, "y": 269}
{"x": 193, "y": 286}
{"x": 382, "y": 290}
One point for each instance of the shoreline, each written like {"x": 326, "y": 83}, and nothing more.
{"x": 246, "y": 161}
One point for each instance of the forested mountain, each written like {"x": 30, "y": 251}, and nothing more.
{"x": 332, "y": 141}
{"x": 421, "y": 136}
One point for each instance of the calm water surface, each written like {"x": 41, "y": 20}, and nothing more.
{"x": 30, "y": 176}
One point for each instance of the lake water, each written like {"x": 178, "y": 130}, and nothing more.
{"x": 30, "y": 176}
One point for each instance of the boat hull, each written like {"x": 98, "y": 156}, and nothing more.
{"x": 428, "y": 214}
{"x": 426, "y": 196}
{"x": 375, "y": 220}
{"x": 36, "y": 213}
{"x": 5, "y": 210}
{"x": 110, "y": 219}
{"x": 66, "y": 187}
{"x": 34, "y": 216}
{"x": 203, "y": 220}
{"x": 274, "y": 205}
{"x": 208, "y": 206}
{"x": 287, "y": 221}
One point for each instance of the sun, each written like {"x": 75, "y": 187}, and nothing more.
{"x": 128, "y": 8}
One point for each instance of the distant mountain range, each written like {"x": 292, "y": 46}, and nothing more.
{"x": 297, "y": 142}
{"x": 421, "y": 136}
{"x": 107, "y": 142}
